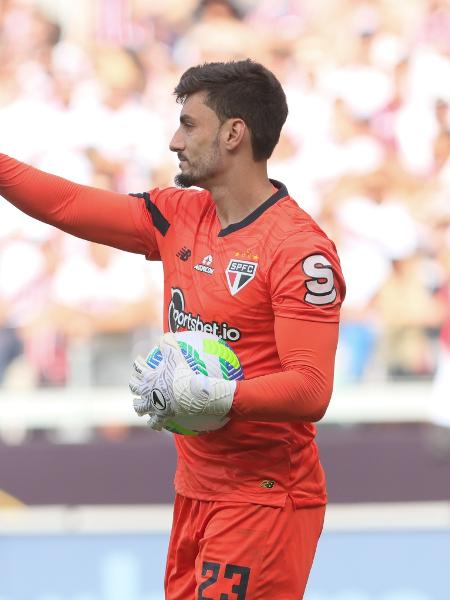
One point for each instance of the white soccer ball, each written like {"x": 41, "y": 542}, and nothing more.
{"x": 209, "y": 355}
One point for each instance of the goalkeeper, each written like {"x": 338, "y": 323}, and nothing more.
{"x": 251, "y": 496}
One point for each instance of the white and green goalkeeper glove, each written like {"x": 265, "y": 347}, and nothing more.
{"x": 174, "y": 389}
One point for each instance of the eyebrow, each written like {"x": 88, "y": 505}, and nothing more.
{"x": 185, "y": 118}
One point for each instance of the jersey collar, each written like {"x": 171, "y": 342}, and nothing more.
{"x": 280, "y": 193}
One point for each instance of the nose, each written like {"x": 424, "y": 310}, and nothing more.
{"x": 176, "y": 143}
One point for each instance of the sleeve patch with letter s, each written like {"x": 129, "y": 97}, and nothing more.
{"x": 320, "y": 286}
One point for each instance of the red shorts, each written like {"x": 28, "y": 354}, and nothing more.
{"x": 239, "y": 551}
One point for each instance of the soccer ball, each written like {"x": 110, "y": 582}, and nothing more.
{"x": 209, "y": 355}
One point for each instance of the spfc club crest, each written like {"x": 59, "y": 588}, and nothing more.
{"x": 239, "y": 273}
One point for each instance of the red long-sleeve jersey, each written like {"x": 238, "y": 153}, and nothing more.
{"x": 270, "y": 285}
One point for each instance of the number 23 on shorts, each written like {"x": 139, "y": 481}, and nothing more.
{"x": 239, "y": 576}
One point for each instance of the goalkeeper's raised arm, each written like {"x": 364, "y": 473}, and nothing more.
{"x": 86, "y": 212}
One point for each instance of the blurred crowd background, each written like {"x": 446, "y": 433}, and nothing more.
{"x": 86, "y": 93}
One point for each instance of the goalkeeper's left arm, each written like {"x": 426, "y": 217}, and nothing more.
{"x": 300, "y": 392}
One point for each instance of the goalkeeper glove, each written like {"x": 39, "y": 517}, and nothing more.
{"x": 173, "y": 389}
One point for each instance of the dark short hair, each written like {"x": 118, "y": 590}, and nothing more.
{"x": 241, "y": 89}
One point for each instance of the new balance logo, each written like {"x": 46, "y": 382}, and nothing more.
{"x": 184, "y": 254}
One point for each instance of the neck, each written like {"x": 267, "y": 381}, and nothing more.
{"x": 238, "y": 194}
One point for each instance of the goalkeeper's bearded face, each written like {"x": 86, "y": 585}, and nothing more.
{"x": 197, "y": 143}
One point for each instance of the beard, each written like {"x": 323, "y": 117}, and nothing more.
{"x": 203, "y": 171}
{"x": 184, "y": 180}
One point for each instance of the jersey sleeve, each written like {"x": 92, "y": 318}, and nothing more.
{"x": 97, "y": 215}
{"x": 136, "y": 223}
{"x": 302, "y": 390}
{"x": 305, "y": 280}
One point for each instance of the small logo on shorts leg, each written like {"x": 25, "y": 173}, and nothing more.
{"x": 267, "y": 483}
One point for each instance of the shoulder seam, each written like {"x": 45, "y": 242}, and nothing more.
{"x": 159, "y": 220}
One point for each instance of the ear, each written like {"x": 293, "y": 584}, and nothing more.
{"x": 234, "y": 132}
